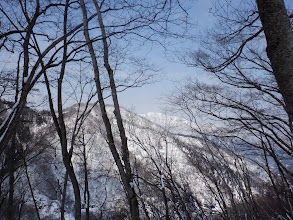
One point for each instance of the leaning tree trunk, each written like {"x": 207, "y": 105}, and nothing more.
{"x": 131, "y": 195}
{"x": 279, "y": 36}
{"x": 124, "y": 170}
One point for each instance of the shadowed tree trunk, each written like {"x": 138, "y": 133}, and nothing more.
{"x": 11, "y": 156}
{"x": 279, "y": 36}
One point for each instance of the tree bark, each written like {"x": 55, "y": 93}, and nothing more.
{"x": 279, "y": 36}
{"x": 86, "y": 182}
{"x": 31, "y": 187}
{"x": 11, "y": 156}
{"x": 64, "y": 192}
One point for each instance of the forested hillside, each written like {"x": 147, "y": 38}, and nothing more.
{"x": 176, "y": 172}
{"x": 221, "y": 147}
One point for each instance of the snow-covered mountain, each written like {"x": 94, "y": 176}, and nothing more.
{"x": 167, "y": 157}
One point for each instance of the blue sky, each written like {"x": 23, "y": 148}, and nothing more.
{"x": 149, "y": 97}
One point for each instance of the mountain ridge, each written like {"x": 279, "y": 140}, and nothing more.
{"x": 161, "y": 160}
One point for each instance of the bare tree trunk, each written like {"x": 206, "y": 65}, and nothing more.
{"x": 279, "y": 36}
{"x": 7, "y": 127}
{"x": 62, "y": 208}
{"x": 11, "y": 152}
{"x": 125, "y": 153}
{"x": 11, "y": 156}
{"x": 167, "y": 217}
{"x": 34, "y": 72}
{"x": 31, "y": 187}
{"x": 60, "y": 124}
{"x": 77, "y": 127}
{"x": 86, "y": 183}
{"x": 71, "y": 173}
{"x": 124, "y": 170}
{"x": 146, "y": 213}
{"x": 62, "y": 129}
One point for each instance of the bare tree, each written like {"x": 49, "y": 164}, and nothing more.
{"x": 60, "y": 123}
{"x": 163, "y": 187}
{"x": 22, "y": 30}
{"x": 129, "y": 26}
{"x": 83, "y": 110}
{"x": 125, "y": 172}
{"x": 45, "y": 47}
{"x": 245, "y": 104}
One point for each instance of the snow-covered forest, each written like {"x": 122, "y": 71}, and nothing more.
{"x": 222, "y": 149}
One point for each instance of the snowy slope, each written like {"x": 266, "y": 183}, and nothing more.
{"x": 159, "y": 156}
